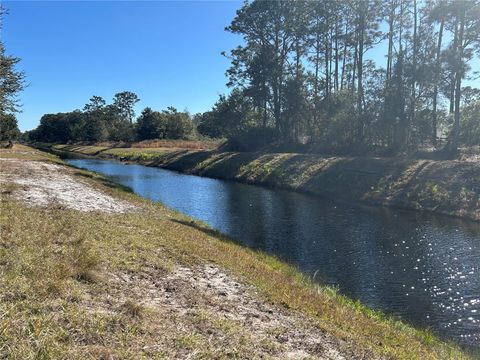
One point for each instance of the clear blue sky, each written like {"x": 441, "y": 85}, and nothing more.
{"x": 166, "y": 52}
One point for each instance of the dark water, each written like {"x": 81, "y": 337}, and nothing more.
{"x": 424, "y": 268}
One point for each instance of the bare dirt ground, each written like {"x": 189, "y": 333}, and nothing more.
{"x": 46, "y": 184}
{"x": 225, "y": 316}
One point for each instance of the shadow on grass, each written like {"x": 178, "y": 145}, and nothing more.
{"x": 183, "y": 160}
{"x": 352, "y": 179}
{"x": 105, "y": 181}
{"x": 211, "y": 232}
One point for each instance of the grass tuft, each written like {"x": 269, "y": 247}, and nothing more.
{"x": 131, "y": 309}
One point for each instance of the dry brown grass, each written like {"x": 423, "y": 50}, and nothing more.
{"x": 204, "y": 144}
{"x": 177, "y": 144}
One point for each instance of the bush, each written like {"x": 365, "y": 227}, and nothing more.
{"x": 251, "y": 139}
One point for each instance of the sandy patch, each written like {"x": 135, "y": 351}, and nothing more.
{"x": 199, "y": 297}
{"x": 45, "y": 184}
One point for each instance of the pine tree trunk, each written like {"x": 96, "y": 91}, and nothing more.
{"x": 414, "y": 72}
{"x": 355, "y": 60}
{"x": 458, "y": 84}
{"x": 453, "y": 79}
{"x": 327, "y": 73}
{"x": 344, "y": 56}
{"x": 336, "y": 54}
{"x": 360, "y": 76}
{"x": 435, "y": 82}
{"x": 391, "y": 20}
{"x": 317, "y": 69}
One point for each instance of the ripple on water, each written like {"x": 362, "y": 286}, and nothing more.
{"x": 421, "y": 267}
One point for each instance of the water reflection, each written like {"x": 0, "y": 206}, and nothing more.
{"x": 421, "y": 267}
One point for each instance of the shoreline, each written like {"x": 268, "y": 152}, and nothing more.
{"x": 446, "y": 187}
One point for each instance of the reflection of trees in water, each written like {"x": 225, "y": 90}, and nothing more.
{"x": 257, "y": 216}
{"x": 438, "y": 222}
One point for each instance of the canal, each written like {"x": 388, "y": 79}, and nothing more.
{"x": 421, "y": 267}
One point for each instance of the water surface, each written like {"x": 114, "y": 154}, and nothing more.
{"x": 424, "y": 268}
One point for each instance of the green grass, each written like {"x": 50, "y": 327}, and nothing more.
{"x": 85, "y": 150}
{"x": 56, "y": 271}
{"x": 404, "y": 183}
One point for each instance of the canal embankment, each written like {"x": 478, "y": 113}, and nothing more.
{"x": 135, "y": 279}
{"x": 447, "y": 187}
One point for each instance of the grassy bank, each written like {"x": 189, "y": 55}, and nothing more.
{"x": 447, "y": 187}
{"x": 74, "y": 286}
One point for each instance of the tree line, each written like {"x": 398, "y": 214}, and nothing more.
{"x": 304, "y": 74}
{"x": 99, "y": 121}
{"x": 306, "y": 77}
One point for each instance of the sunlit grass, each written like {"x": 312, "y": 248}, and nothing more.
{"x": 205, "y": 144}
{"x": 55, "y": 268}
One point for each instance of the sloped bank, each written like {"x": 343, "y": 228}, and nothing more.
{"x": 445, "y": 187}
{"x": 152, "y": 283}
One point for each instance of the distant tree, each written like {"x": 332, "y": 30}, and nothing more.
{"x": 76, "y": 123}
{"x": 237, "y": 118}
{"x": 54, "y": 128}
{"x": 207, "y": 125}
{"x": 120, "y": 130}
{"x": 95, "y": 126}
{"x": 178, "y": 125}
{"x": 98, "y": 121}
{"x": 268, "y": 29}
{"x": 94, "y": 129}
{"x": 150, "y": 125}
{"x": 97, "y": 103}
{"x": 229, "y": 116}
{"x": 124, "y": 102}
{"x": 8, "y": 127}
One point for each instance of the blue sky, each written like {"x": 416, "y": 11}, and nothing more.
{"x": 168, "y": 52}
